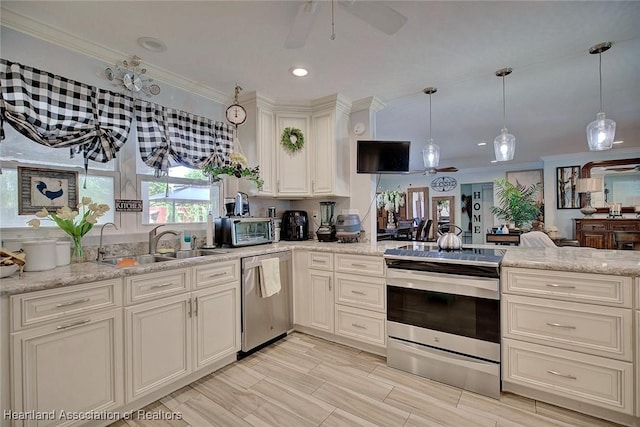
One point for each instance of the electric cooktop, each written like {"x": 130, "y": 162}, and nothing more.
{"x": 424, "y": 252}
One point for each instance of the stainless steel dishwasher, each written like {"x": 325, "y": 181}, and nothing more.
{"x": 264, "y": 320}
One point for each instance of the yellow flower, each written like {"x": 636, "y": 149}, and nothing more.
{"x": 86, "y": 201}
{"x": 42, "y": 213}
{"x": 102, "y": 208}
{"x": 238, "y": 158}
{"x": 35, "y": 223}
{"x": 91, "y": 219}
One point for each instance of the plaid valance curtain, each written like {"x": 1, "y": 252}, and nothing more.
{"x": 169, "y": 137}
{"x": 58, "y": 112}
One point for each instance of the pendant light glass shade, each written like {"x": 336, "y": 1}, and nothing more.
{"x": 431, "y": 152}
{"x": 431, "y": 155}
{"x": 504, "y": 144}
{"x": 601, "y": 131}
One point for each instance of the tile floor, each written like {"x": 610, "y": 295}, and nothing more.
{"x": 306, "y": 381}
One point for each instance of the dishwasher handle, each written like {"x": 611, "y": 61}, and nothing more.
{"x": 256, "y": 261}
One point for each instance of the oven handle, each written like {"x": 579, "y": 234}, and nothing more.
{"x": 446, "y": 283}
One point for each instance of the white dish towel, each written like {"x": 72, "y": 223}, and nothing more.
{"x": 269, "y": 277}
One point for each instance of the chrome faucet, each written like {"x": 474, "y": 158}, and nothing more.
{"x": 154, "y": 238}
{"x": 102, "y": 251}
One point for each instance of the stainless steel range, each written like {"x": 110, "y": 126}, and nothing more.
{"x": 443, "y": 315}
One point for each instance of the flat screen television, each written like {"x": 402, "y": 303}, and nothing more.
{"x": 383, "y": 156}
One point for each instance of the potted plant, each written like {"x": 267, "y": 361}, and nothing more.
{"x": 518, "y": 204}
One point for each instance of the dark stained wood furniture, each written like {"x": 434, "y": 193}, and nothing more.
{"x": 598, "y": 232}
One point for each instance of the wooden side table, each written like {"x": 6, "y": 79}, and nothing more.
{"x": 503, "y": 239}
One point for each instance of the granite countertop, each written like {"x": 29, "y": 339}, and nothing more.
{"x": 584, "y": 260}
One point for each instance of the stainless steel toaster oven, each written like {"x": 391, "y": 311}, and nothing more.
{"x": 243, "y": 231}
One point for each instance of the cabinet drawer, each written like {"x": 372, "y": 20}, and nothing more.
{"x": 217, "y": 273}
{"x": 592, "y": 226}
{"x": 360, "y": 264}
{"x": 603, "y": 331}
{"x": 146, "y": 287}
{"x": 362, "y": 325}
{"x": 624, "y": 226}
{"x": 365, "y": 292}
{"x": 591, "y": 379}
{"x": 37, "y": 307}
{"x": 321, "y": 260}
{"x": 580, "y": 287}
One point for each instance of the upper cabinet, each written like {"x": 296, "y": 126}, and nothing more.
{"x": 331, "y": 160}
{"x": 320, "y": 167}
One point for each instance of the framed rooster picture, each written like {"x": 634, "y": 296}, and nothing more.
{"x": 48, "y": 188}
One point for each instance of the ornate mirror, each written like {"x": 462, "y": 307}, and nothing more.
{"x": 442, "y": 211}
{"x": 621, "y": 180}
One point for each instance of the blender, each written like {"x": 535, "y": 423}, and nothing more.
{"x": 327, "y": 230}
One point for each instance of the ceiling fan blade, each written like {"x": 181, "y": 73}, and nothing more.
{"x": 447, "y": 169}
{"x": 621, "y": 169}
{"x": 377, "y": 14}
{"x": 302, "y": 25}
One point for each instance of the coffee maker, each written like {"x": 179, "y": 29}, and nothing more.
{"x": 327, "y": 230}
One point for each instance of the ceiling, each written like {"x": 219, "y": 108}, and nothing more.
{"x": 455, "y": 46}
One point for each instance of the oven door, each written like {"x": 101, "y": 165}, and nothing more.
{"x": 457, "y": 313}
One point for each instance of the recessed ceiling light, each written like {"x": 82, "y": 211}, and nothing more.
{"x": 494, "y": 161}
{"x": 618, "y": 142}
{"x": 298, "y": 71}
{"x": 152, "y": 44}
{"x": 482, "y": 143}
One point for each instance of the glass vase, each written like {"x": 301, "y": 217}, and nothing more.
{"x": 77, "y": 255}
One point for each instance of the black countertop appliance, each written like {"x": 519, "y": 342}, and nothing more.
{"x": 295, "y": 225}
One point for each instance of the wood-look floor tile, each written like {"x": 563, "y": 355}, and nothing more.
{"x": 337, "y": 358}
{"x": 298, "y": 380}
{"x": 119, "y": 423}
{"x": 417, "y": 421}
{"x": 293, "y": 342}
{"x": 274, "y": 416}
{"x": 397, "y": 378}
{"x": 520, "y": 402}
{"x": 571, "y": 417}
{"x": 362, "y": 406}
{"x": 251, "y": 359}
{"x": 349, "y": 378}
{"x": 435, "y": 411}
{"x": 178, "y": 397}
{"x": 504, "y": 414}
{"x": 242, "y": 375}
{"x": 301, "y": 361}
{"x": 240, "y": 401}
{"x": 202, "y": 412}
{"x": 307, "y": 406}
{"x": 156, "y": 415}
{"x": 340, "y": 418}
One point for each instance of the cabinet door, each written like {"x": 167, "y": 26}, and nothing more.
{"x": 266, "y": 141}
{"x": 321, "y": 300}
{"x": 294, "y": 176}
{"x": 323, "y": 125}
{"x": 217, "y": 323}
{"x": 157, "y": 344}
{"x": 73, "y": 365}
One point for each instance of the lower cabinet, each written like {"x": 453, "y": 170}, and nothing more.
{"x": 321, "y": 300}
{"x": 73, "y": 365}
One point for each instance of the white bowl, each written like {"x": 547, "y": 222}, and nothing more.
{"x": 8, "y": 270}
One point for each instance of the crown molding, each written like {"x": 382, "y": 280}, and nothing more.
{"x": 371, "y": 103}
{"x": 46, "y": 32}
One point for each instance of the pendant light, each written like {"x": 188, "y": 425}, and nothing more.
{"x": 431, "y": 152}
{"x": 505, "y": 144}
{"x": 601, "y": 131}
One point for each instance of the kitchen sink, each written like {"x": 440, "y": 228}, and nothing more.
{"x": 128, "y": 261}
{"x": 197, "y": 253}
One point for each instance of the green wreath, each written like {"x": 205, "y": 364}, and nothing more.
{"x": 292, "y": 145}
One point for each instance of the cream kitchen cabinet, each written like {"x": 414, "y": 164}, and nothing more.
{"x": 293, "y": 170}
{"x": 66, "y": 352}
{"x": 330, "y": 146}
{"x": 321, "y": 291}
{"x": 637, "y": 305}
{"x": 168, "y": 338}
{"x": 568, "y": 340}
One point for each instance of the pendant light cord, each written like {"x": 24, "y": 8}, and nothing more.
{"x": 504, "y": 106}
{"x": 600, "y": 74}
{"x": 430, "y": 119}
{"x": 333, "y": 27}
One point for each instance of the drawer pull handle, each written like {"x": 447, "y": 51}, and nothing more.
{"x": 71, "y": 325}
{"x": 223, "y": 273}
{"x": 358, "y": 292}
{"x": 161, "y": 286}
{"x": 329, "y": 283}
{"x": 359, "y": 265}
{"x": 558, "y": 374}
{"x": 320, "y": 261}
{"x": 355, "y": 325}
{"x": 553, "y": 285}
{"x": 195, "y": 310}
{"x": 78, "y": 301}
{"x": 560, "y": 325}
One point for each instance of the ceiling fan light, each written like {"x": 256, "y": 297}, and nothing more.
{"x": 431, "y": 155}
{"x": 504, "y": 146}
{"x": 600, "y": 133}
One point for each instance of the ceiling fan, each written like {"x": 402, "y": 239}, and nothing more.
{"x": 624, "y": 169}
{"x": 375, "y": 13}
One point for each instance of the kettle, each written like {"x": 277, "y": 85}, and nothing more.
{"x": 450, "y": 242}
{"x": 241, "y": 207}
